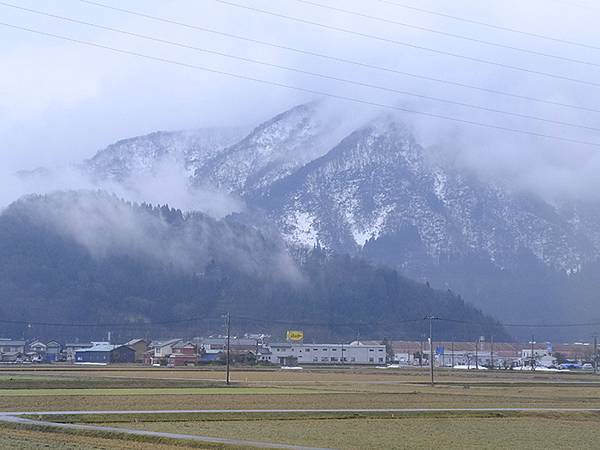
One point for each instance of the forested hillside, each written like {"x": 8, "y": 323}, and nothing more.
{"x": 89, "y": 257}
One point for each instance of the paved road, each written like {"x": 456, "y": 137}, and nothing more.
{"x": 292, "y": 411}
{"x": 190, "y": 437}
{"x": 15, "y": 417}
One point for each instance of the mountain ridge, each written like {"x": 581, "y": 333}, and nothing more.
{"x": 373, "y": 191}
{"x": 144, "y": 264}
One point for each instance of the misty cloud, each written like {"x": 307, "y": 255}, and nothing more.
{"x": 107, "y": 226}
{"x": 167, "y": 184}
{"x": 61, "y": 101}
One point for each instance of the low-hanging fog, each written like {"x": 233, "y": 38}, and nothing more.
{"x": 60, "y": 101}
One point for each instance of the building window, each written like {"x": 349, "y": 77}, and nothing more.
{"x": 324, "y": 359}
{"x": 333, "y": 359}
{"x": 315, "y": 359}
{"x": 315, "y": 349}
{"x": 380, "y": 349}
{"x": 371, "y": 350}
{"x": 352, "y": 359}
{"x": 334, "y": 349}
{"x": 370, "y": 359}
{"x": 308, "y": 350}
{"x": 380, "y": 359}
{"x": 324, "y": 349}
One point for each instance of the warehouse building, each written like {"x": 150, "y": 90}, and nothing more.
{"x": 105, "y": 353}
{"x": 289, "y": 353}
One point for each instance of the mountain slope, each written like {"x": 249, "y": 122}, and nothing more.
{"x": 90, "y": 257}
{"x": 273, "y": 150}
{"x": 380, "y": 182}
{"x": 189, "y": 149}
{"x": 381, "y": 195}
{"x": 371, "y": 190}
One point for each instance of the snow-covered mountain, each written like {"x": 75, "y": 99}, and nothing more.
{"x": 143, "y": 154}
{"x": 273, "y": 150}
{"x": 379, "y": 182}
{"x": 371, "y": 189}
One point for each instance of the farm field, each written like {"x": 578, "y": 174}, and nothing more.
{"x": 137, "y": 392}
{"x": 409, "y": 432}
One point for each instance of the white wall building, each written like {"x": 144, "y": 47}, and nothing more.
{"x": 356, "y": 352}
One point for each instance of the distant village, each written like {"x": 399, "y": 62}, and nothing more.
{"x": 259, "y": 349}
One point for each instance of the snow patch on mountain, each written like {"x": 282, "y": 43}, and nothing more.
{"x": 188, "y": 149}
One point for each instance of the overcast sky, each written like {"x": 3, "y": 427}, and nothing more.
{"x": 60, "y": 101}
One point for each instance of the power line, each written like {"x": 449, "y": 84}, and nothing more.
{"x": 525, "y": 325}
{"x": 102, "y": 324}
{"x": 577, "y": 5}
{"x": 409, "y": 45}
{"x": 305, "y": 72}
{"x": 306, "y": 323}
{"x": 305, "y": 90}
{"x": 448, "y": 34}
{"x": 342, "y": 60}
{"x": 489, "y": 25}
{"x": 316, "y": 324}
{"x": 254, "y": 320}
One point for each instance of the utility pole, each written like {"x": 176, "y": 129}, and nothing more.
{"x": 452, "y": 352}
{"x": 477, "y": 353}
{"x": 492, "y": 351}
{"x": 421, "y": 353}
{"x": 256, "y": 354}
{"x": 532, "y": 354}
{"x": 595, "y": 353}
{"x": 431, "y": 319}
{"x": 228, "y": 317}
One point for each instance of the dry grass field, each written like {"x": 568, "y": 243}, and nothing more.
{"x": 57, "y": 388}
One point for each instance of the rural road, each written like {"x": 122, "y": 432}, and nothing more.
{"x": 15, "y": 418}
{"x": 208, "y": 439}
{"x": 291, "y": 411}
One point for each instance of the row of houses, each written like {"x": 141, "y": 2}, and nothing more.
{"x": 487, "y": 354}
{"x": 179, "y": 352}
{"x": 255, "y": 349}
{"x": 15, "y": 350}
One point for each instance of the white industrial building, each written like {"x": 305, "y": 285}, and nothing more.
{"x": 290, "y": 353}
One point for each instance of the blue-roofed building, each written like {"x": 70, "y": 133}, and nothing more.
{"x": 105, "y": 353}
{"x": 53, "y": 351}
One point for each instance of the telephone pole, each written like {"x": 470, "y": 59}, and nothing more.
{"x": 477, "y": 354}
{"x": 595, "y": 353}
{"x": 532, "y": 354}
{"x": 228, "y": 318}
{"x": 431, "y": 319}
{"x": 492, "y": 351}
{"x": 452, "y": 355}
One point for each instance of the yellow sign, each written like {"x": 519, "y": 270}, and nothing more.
{"x": 294, "y": 335}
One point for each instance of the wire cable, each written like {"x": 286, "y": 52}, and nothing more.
{"x": 305, "y": 90}
{"x": 305, "y": 72}
{"x": 409, "y": 45}
{"x": 342, "y": 60}
{"x": 448, "y": 34}
{"x": 526, "y": 325}
{"x": 258, "y": 320}
{"x": 488, "y": 25}
{"x": 254, "y": 320}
